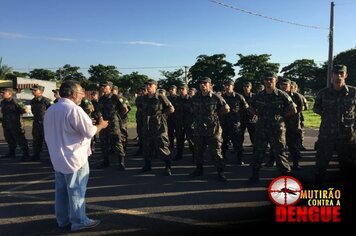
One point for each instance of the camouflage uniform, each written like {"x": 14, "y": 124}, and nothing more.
{"x": 87, "y": 106}
{"x": 12, "y": 126}
{"x": 337, "y": 129}
{"x": 139, "y": 122}
{"x": 183, "y": 124}
{"x": 38, "y": 107}
{"x": 270, "y": 128}
{"x": 155, "y": 129}
{"x": 248, "y": 120}
{"x": 124, "y": 119}
{"x": 109, "y": 108}
{"x": 207, "y": 130}
{"x": 171, "y": 121}
{"x": 231, "y": 124}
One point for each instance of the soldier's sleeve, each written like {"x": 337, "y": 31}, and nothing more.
{"x": 300, "y": 104}
{"x": 222, "y": 105}
{"x": 168, "y": 108}
{"x": 318, "y": 104}
{"x": 121, "y": 106}
{"x": 305, "y": 103}
{"x": 244, "y": 104}
{"x": 289, "y": 106}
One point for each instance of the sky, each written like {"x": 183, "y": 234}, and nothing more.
{"x": 149, "y": 36}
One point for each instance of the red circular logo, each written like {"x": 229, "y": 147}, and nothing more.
{"x": 285, "y": 191}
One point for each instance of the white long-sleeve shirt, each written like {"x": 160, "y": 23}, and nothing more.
{"x": 68, "y": 131}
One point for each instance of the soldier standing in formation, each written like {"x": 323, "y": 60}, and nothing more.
{"x": 172, "y": 97}
{"x": 248, "y": 120}
{"x": 12, "y": 124}
{"x": 293, "y": 129}
{"x": 110, "y": 108}
{"x": 155, "y": 109}
{"x": 206, "y": 107}
{"x": 39, "y": 105}
{"x": 231, "y": 122}
{"x": 124, "y": 119}
{"x": 139, "y": 118}
{"x": 271, "y": 106}
{"x": 183, "y": 121}
{"x": 337, "y": 107}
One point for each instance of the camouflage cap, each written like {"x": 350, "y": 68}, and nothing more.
{"x": 37, "y": 87}
{"x": 193, "y": 89}
{"x": 285, "y": 81}
{"x": 339, "y": 68}
{"x": 115, "y": 87}
{"x": 269, "y": 75}
{"x": 151, "y": 81}
{"x": 173, "y": 87}
{"x": 184, "y": 85}
{"x": 106, "y": 83}
{"x": 247, "y": 83}
{"x": 229, "y": 82}
{"x": 6, "y": 90}
{"x": 205, "y": 80}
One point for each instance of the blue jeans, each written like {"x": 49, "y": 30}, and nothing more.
{"x": 70, "y": 198}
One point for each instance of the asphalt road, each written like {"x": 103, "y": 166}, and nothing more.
{"x": 129, "y": 203}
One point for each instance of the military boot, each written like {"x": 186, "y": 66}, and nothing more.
{"x": 240, "y": 161}
{"x": 255, "y": 176}
{"x": 198, "y": 171}
{"x": 221, "y": 175}
{"x": 122, "y": 166}
{"x": 168, "y": 169}
{"x": 25, "y": 155}
{"x": 146, "y": 167}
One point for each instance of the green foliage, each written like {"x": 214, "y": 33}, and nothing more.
{"x": 215, "y": 67}
{"x": 68, "y": 72}
{"x": 4, "y": 70}
{"x": 42, "y": 74}
{"x": 252, "y": 68}
{"x": 303, "y": 72}
{"x": 171, "y": 78}
{"x": 348, "y": 58}
{"x": 131, "y": 83}
{"x": 101, "y": 73}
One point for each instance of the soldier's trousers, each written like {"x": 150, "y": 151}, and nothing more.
{"x": 171, "y": 130}
{"x": 155, "y": 143}
{"x": 325, "y": 149}
{"x": 276, "y": 139}
{"x": 111, "y": 140}
{"x": 14, "y": 136}
{"x": 251, "y": 127}
{"x": 214, "y": 143}
{"x": 293, "y": 143}
{"x": 234, "y": 134}
{"x": 184, "y": 133}
{"x": 38, "y": 137}
{"x": 139, "y": 130}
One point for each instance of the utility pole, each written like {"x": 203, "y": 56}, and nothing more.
{"x": 186, "y": 74}
{"x": 331, "y": 44}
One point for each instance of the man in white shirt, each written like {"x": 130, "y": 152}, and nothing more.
{"x": 68, "y": 132}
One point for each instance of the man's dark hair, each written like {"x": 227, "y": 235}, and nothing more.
{"x": 68, "y": 88}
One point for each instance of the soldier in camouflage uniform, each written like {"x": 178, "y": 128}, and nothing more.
{"x": 172, "y": 97}
{"x": 39, "y": 105}
{"x": 231, "y": 122}
{"x": 139, "y": 118}
{"x": 206, "y": 107}
{"x": 271, "y": 106}
{"x": 293, "y": 129}
{"x": 124, "y": 120}
{"x": 184, "y": 119}
{"x": 192, "y": 92}
{"x": 110, "y": 109}
{"x": 155, "y": 109}
{"x": 248, "y": 120}
{"x": 12, "y": 124}
{"x": 337, "y": 107}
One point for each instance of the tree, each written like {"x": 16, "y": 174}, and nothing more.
{"x": 101, "y": 73}
{"x": 348, "y": 58}
{"x": 68, "y": 72}
{"x": 215, "y": 67}
{"x": 4, "y": 70}
{"x": 132, "y": 83}
{"x": 42, "y": 74}
{"x": 302, "y": 72}
{"x": 252, "y": 68}
{"x": 171, "y": 78}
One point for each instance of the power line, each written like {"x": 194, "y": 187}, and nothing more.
{"x": 119, "y": 68}
{"x": 268, "y": 17}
